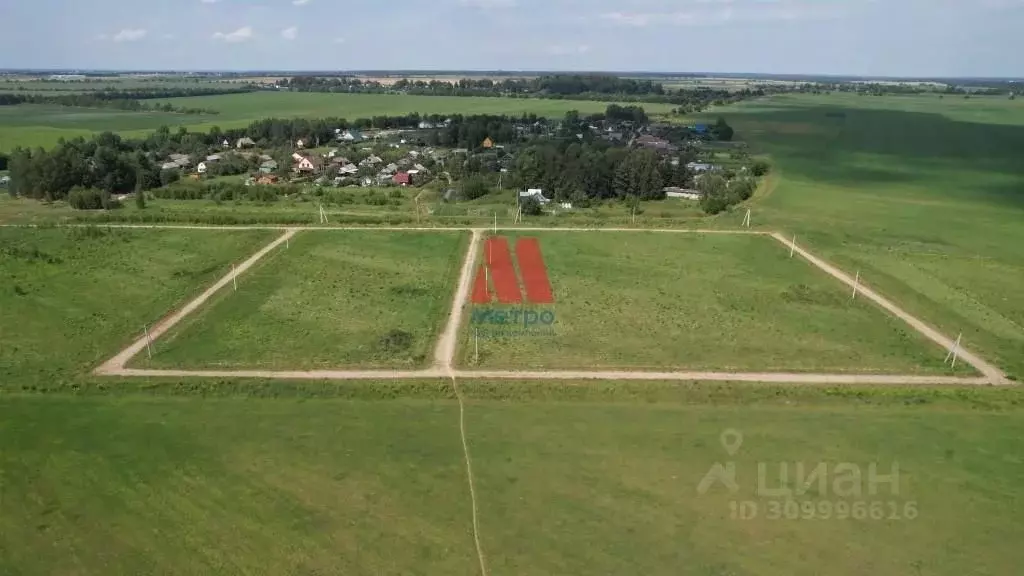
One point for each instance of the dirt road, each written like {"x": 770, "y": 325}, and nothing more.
{"x": 115, "y": 366}
{"x": 993, "y": 374}
{"x": 444, "y": 353}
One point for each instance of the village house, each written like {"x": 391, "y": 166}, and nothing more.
{"x": 350, "y": 136}
{"x": 487, "y": 143}
{"x": 424, "y": 125}
{"x": 297, "y": 157}
{"x": 169, "y": 166}
{"x": 403, "y": 179}
{"x": 225, "y": 144}
{"x": 309, "y": 164}
{"x": 267, "y": 179}
{"x": 300, "y": 144}
{"x": 371, "y": 161}
{"x": 213, "y": 158}
{"x": 699, "y": 167}
{"x": 340, "y": 161}
{"x": 674, "y": 192}
{"x": 245, "y": 143}
{"x": 653, "y": 143}
{"x": 349, "y": 170}
{"x": 201, "y": 168}
{"x": 268, "y": 167}
{"x": 535, "y": 193}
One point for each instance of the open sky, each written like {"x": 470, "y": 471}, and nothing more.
{"x": 862, "y": 37}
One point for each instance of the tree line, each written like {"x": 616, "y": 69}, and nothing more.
{"x": 569, "y": 171}
{"x": 123, "y": 99}
{"x": 558, "y": 86}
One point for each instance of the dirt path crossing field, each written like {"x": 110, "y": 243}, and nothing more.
{"x": 444, "y": 354}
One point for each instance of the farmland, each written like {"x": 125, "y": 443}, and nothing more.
{"x": 34, "y": 125}
{"x": 70, "y": 296}
{"x": 715, "y": 302}
{"x": 920, "y": 194}
{"x": 571, "y": 479}
{"x": 369, "y": 299}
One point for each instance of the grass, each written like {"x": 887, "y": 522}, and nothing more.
{"x": 69, "y": 298}
{"x": 333, "y": 299}
{"x": 705, "y": 302}
{"x": 571, "y": 478}
{"x": 612, "y": 489}
{"x": 146, "y": 486}
{"x": 920, "y": 194}
{"x": 32, "y": 125}
{"x": 40, "y": 125}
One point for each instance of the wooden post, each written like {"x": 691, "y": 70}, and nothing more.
{"x": 955, "y": 351}
{"x": 149, "y": 349}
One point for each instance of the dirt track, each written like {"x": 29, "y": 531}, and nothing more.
{"x": 115, "y": 366}
{"x": 446, "y": 347}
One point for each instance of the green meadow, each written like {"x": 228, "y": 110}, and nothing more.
{"x": 330, "y": 300}
{"x": 571, "y": 478}
{"x": 37, "y": 125}
{"x": 699, "y": 302}
{"x": 71, "y": 297}
{"x": 922, "y": 195}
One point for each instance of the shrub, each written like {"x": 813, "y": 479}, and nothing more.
{"x": 760, "y": 168}
{"x": 85, "y": 199}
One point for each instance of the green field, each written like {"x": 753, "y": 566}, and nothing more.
{"x": 702, "y": 302}
{"x": 923, "y": 195}
{"x": 589, "y": 481}
{"x": 333, "y": 299}
{"x": 29, "y": 125}
{"x": 137, "y": 486}
{"x": 69, "y": 298}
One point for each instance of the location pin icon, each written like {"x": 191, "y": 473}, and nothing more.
{"x": 731, "y": 440}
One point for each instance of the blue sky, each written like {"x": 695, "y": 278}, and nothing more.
{"x": 862, "y": 37}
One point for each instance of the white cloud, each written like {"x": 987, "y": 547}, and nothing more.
{"x": 290, "y": 33}
{"x": 241, "y": 35}
{"x": 169, "y": 36}
{"x": 338, "y": 40}
{"x": 129, "y": 35}
{"x": 300, "y": 2}
{"x": 627, "y": 19}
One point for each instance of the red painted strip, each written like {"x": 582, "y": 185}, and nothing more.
{"x": 481, "y": 292}
{"x": 534, "y": 272}
{"x": 503, "y": 274}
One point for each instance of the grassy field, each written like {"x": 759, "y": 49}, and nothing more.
{"x": 570, "y": 479}
{"x": 333, "y": 299}
{"x": 69, "y": 298}
{"x": 31, "y": 125}
{"x": 35, "y": 125}
{"x": 923, "y": 195}
{"x": 705, "y": 302}
{"x": 150, "y": 486}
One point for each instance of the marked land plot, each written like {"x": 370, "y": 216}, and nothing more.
{"x": 684, "y": 302}
{"x": 328, "y": 299}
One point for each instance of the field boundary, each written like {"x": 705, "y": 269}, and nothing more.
{"x": 116, "y": 364}
{"x": 446, "y": 346}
